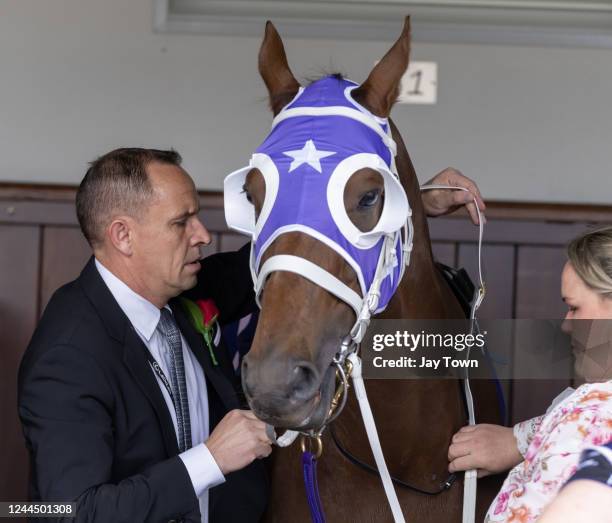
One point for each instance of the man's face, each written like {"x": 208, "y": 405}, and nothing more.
{"x": 168, "y": 234}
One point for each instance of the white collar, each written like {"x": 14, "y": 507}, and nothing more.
{"x": 143, "y": 315}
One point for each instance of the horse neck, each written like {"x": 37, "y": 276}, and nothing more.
{"x": 423, "y": 293}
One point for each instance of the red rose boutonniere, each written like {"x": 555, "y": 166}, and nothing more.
{"x": 203, "y": 315}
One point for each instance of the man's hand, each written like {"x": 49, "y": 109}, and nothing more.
{"x": 237, "y": 440}
{"x": 488, "y": 448}
{"x": 444, "y": 201}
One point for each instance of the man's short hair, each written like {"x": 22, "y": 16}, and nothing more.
{"x": 116, "y": 182}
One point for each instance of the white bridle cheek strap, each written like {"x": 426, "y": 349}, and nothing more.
{"x": 313, "y": 273}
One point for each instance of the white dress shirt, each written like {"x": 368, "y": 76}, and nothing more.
{"x": 144, "y": 316}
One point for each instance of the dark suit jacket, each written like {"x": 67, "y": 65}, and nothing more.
{"x": 96, "y": 425}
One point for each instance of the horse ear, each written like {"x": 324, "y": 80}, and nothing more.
{"x": 380, "y": 91}
{"x": 274, "y": 69}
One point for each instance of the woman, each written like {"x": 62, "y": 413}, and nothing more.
{"x": 543, "y": 452}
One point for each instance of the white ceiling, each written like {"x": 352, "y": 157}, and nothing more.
{"x": 564, "y": 23}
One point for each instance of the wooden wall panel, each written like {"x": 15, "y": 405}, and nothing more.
{"x": 213, "y": 219}
{"x": 445, "y": 252}
{"x": 538, "y": 296}
{"x": 538, "y": 286}
{"x": 498, "y": 274}
{"x": 232, "y": 242}
{"x": 37, "y": 212}
{"x": 64, "y": 253}
{"x": 19, "y": 267}
{"x": 505, "y": 231}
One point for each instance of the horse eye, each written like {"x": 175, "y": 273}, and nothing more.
{"x": 246, "y": 193}
{"x": 370, "y": 198}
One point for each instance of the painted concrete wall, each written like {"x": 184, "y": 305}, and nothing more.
{"x": 79, "y": 77}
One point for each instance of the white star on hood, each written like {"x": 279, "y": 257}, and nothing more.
{"x": 308, "y": 154}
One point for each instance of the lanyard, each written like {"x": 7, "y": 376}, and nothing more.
{"x": 160, "y": 374}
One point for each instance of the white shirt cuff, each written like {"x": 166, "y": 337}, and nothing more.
{"x": 202, "y": 468}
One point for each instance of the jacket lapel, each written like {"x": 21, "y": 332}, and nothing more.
{"x": 214, "y": 374}
{"x": 134, "y": 350}
{"x": 135, "y": 358}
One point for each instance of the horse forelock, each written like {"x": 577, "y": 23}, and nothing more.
{"x": 325, "y": 74}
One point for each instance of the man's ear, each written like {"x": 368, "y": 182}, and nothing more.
{"x": 119, "y": 232}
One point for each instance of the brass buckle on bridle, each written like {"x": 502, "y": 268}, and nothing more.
{"x": 343, "y": 373}
{"x": 338, "y": 402}
{"x": 314, "y": 446}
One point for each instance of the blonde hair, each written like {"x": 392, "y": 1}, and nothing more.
{"x": 591, "y": 257}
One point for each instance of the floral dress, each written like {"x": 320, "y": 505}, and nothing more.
{"x": 551, "y": 445}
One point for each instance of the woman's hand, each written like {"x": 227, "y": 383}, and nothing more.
{"x": 443, "y": 201}
{"x": 487, "y": 448}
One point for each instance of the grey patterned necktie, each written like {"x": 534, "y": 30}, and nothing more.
{"x": 167, "y": 326}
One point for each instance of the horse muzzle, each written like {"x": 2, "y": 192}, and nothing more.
{"x": 289, "y": 394}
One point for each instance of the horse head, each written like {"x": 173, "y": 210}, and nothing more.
{"x": 323, "y": 202}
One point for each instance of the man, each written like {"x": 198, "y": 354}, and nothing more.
{"x": 102, "y": 427}
{"x": 123, "y": 408}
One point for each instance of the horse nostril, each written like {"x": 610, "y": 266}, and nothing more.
{"x": 304, "y": 381}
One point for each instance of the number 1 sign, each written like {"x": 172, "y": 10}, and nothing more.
{"x": 420, "y": 84}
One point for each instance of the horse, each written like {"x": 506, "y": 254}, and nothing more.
{"x": 288, "y": 376}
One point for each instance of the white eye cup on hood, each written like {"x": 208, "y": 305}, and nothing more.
{"x": 239, "y": 212}
{"x": 395, "y": 208}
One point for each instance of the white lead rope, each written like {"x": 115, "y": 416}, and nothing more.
{"x": 431, "y": 187}
{"x": 370, "y": 425}
{"x": 470, "y": 483}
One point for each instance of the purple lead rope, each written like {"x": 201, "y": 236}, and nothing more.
{"x": 309, "y": 465}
